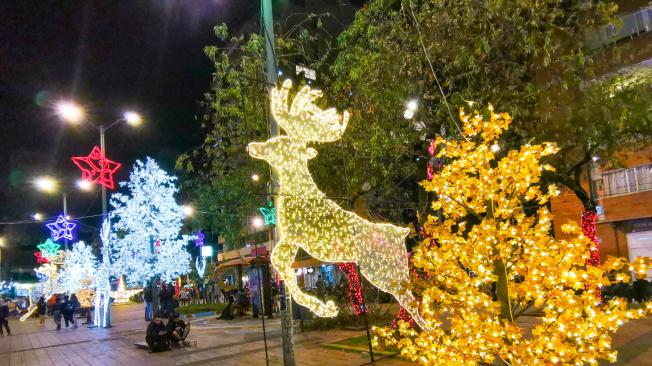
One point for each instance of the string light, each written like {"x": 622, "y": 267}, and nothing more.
{"x": 96, "y": 168}
{"x": 61, "y": 228}
{"x": 123, "y": 295}
{"x": 350, "y": 270}
{"x": 307, "y": 219}
{"x": 79, "y": 266}
{"x": 200, "y": 264}
{"x": 487, "y": 239}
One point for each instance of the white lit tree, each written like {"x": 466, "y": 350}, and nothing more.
{"x": 79, "y": 267}
{"x": 147, "y": 223}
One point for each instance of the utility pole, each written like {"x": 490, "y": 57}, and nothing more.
{"x": 270, "y": 53}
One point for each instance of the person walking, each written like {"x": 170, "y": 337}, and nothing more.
{"x": 56, "y": 311}
{"x": 68, "y": 311}
{"x": 147, "y": 297}
{"x": 41, "y": 309}
{"x": 4, "y": 314}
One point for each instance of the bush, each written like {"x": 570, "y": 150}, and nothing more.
{"x": 200, "y": 308}
{"x": 137, "y": 297}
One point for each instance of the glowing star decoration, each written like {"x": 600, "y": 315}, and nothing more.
{"x": 307, "y": 219}
{"x": 49, "y": 249}
{"x": 61, "y": 228}
{"x": 40, "y": 258}
{"x": 199, "y": 239}
{"x": 269, "y": 213}
{"x": 97, "y": 168}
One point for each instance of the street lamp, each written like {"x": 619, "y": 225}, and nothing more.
{"x": 37, "y": 216}
{"x": 258, "y": 222}
{"x": 188, "y": 210}
{"x": 130, "y": 117}
{"x": 255, "y": 177}
{"x": 70, "y": 111}
{"x": 46, "y": 184}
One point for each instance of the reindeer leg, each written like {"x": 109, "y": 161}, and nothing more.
{"x": 282, "y": 258}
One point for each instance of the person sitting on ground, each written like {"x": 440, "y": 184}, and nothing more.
{"x": 157, "y": 335}
{"x": 177, "y": 329}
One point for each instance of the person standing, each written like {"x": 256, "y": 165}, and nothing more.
{"x": 68, "y": 311}
{"x": 4, "y": 314}
{"x": 41, "y": 309}
{"x": 164, "y": 298}
{"x": 147, "y": 297}
{"x": 156, "y": 305}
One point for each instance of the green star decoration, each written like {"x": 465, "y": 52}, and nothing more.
{"x": 269, "y": 213}
{"x": 49, "y": 249}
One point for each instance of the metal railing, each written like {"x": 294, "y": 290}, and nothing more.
{"x": 623, "y": 181}
{"x": 632, "y": 24}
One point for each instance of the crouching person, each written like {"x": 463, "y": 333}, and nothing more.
{"x": 178, "y": 330}
{"x": 157, "y": 334}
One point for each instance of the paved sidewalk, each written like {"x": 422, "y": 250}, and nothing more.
{"x": 220, "y": 343}
{"x": 217, "y": 343}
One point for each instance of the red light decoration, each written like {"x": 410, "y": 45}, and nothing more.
{"x": 40, "y": 259}
{"x": 589, "y": 218}
{"x": 350, "y": 270}
{"x": 96, "y": 168}
{"x": 403, "y": 315}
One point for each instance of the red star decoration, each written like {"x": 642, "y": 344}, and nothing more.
{"x": 40, "y": 259}
{"x": 97, "y": 168}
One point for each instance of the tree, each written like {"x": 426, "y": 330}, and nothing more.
{"x": 147, "y": 227}
{"x": 533, "y": 57}
{"x": 494, "y": 232}
{"x": 79, "y": 268}
{"x": 219, "y": 171}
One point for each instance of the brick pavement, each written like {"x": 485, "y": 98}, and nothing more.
{"x": 219, "y": 343}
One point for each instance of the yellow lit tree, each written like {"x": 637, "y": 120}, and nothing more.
{"x": 494, "y": 260}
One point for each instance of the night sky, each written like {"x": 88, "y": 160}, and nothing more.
{"x": 108, "y": 56}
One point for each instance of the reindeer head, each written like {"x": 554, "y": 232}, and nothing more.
{"x": 281, "y": 151}
{"x": 303, "y": 120}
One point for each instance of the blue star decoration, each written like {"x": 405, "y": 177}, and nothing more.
{"x": 61, "y": 228}
{"x": 269, "y": 213}
{"x": 49, "y": 249}
{"x": 199, "y": 239}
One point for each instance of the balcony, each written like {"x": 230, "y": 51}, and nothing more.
{"x": 623, "y": 181}
{"x": 632, "y": 24}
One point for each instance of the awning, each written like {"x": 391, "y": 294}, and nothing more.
{"x": 232, "y": 262}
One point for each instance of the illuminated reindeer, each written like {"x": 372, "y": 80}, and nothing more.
{"x": 307, "y": 219}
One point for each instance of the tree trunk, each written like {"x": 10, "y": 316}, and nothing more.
{"x": 502, "y": 290}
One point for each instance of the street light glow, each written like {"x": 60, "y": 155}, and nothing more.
{"x": 46, "y": 184}
{"x": 413, "y": 105}
{"x": 84, "y": 185}
{"x": 70, "y": 111}
{"x": 133, "y": 118}
{"x": 188, "y": 210}
{"x": 37, "y": 216}
{"x": 255, "y": 177}
{"x": 257, "y": 222}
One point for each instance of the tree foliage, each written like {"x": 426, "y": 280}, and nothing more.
{"x": 493, "y": 230}
{"x": 147, "y": 226}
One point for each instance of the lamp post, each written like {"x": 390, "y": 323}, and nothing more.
{"x": 73, "y": 113}
{"x": 3, "y": 242}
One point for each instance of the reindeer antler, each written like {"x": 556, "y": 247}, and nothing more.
{"x": 304, "y": 120}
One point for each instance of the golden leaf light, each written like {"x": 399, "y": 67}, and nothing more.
{"x": 307, "y": 219}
